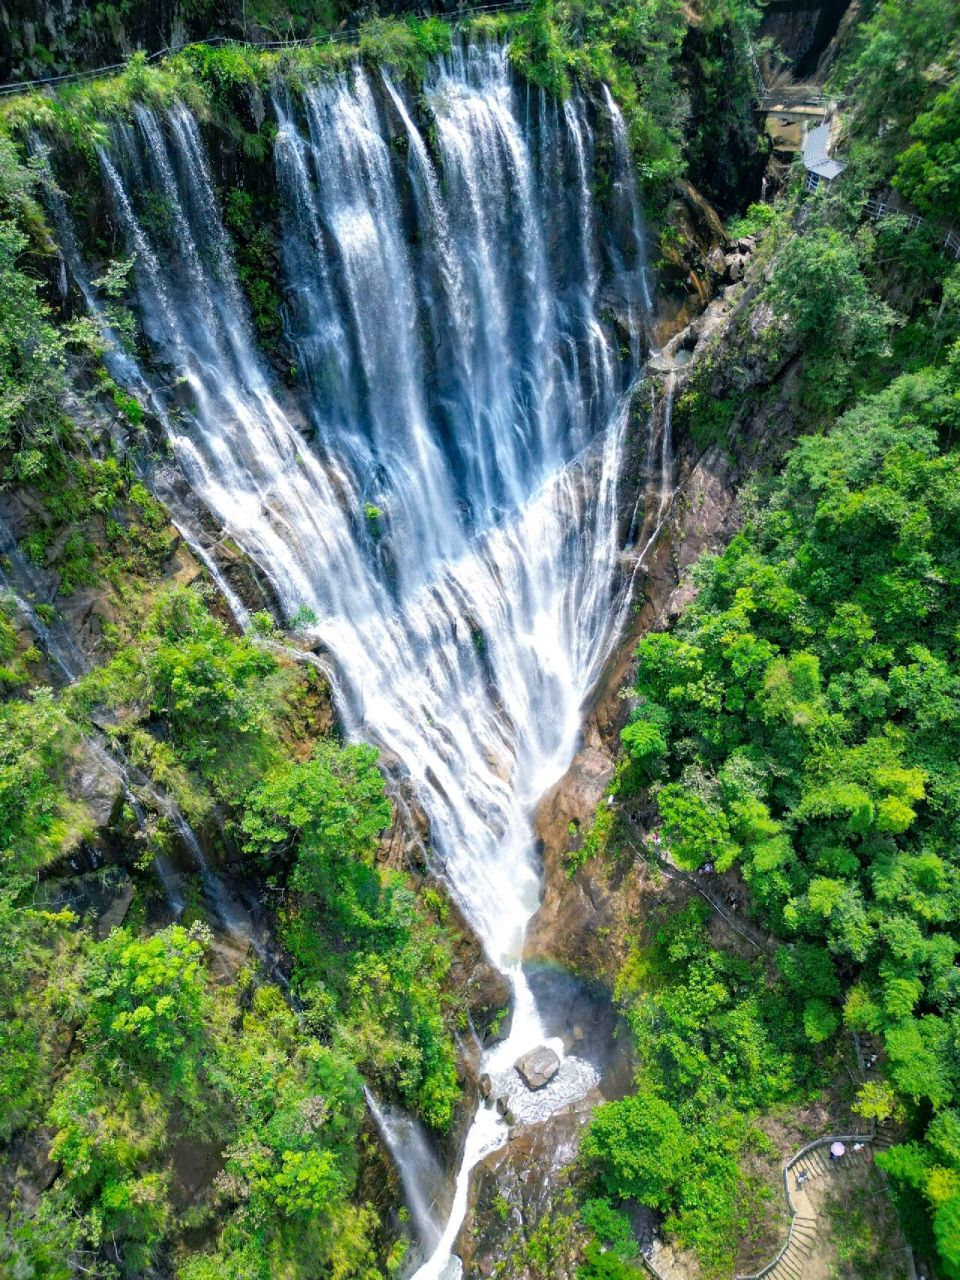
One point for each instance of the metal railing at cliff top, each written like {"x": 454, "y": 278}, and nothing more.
{"x": 325, "y": 38}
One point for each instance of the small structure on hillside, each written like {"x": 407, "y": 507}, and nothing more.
{"x": 817, "y": 161}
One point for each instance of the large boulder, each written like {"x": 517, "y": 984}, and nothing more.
{"x": 538, "y": 1067}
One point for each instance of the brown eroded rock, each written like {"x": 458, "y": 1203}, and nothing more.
{"x": 584, "y": 918}
{"x": 513, "y": 1189}
{"x": 565, "y": 928}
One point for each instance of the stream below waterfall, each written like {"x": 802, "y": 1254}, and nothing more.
{"x": 470, "y": 318}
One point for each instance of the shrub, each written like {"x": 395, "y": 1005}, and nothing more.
{"x": 640, "y": 1148}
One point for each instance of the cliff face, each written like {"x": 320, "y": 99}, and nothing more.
{"x": 40, "y": 38}
{"x": 722, "y": 361}
{"x": 804, "y": 31}
{"x": 573, "y": 928}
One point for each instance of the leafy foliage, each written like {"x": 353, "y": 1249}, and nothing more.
{"x": 898, "y": 75}
{"x": 128, "y": 1050}
{"x": 38, "y": 821}
{"x": 640, "y": 1145}
{"x": 257, "y": 264}
{"x": 716, "y": 1044}
{"x": 32, "y": 348}
{"x": 819, "y": 288}
{"x": 634, "y": 47}
{"x": 361, "y": 947}
{"x": 808, "y": 698}
{"x": 928, "y": 172}
{"x": 145, "y": 1003}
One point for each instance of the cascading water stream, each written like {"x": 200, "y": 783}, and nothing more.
{"x": 419, "y": 1168}
{"x": 450, "y": 305}
{"x": 58, "y": 644}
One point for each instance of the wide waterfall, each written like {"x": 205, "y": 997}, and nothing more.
{"x": 468, "y": 323}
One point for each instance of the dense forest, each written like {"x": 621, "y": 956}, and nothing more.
{"x": 798, "y": 722}
{"x": 797, "y": 727}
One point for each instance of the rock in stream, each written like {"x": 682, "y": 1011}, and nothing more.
{"x": 538, "y": 1067}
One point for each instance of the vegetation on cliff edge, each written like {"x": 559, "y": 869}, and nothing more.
{"x": 799, "y": 724}
{"x": 130, "y": 1052}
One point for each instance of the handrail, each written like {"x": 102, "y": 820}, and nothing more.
{"x": 795, "y": 1216}
{"x": 792, "y": 100}
{"x": 795, "y": 96}
{"x": 685, "y": 877}
{"x": 328, "y": 37}
{"x": 772, "y": 1266}
{"x": 879, "y": 207}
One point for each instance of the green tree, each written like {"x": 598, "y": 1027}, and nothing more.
{"x": 334, "y": 805}
{"x": 818, "y": 287}
{"x": 32, "y": 354}
{"x": 144, "y": 1000}
{"x": 208, "y": 685}
{"x": 39, "y": 821}
{"x": 640, "y": 1148}
{"x": 697, "y": 831}
{"x": 928, "y": 172}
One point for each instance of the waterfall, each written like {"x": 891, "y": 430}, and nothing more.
{"x": 659, "y": 494}
{"x": 629, "y": 199}
{"x": 58, "y": 644}
{"x": 419, "y": 1168}
{"x": 451, "y": 295}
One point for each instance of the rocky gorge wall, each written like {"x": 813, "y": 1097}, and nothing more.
{"x": 40, "y": 38}
{"x": 572, "y": 931}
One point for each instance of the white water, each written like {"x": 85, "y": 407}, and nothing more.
{"x": 447, "y": 310}
{"x": 419, "y": 1168}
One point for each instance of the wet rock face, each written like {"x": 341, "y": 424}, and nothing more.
{"x": 522, "y": 1189}
{"x": 26, "y": 1170}
{"x": 514, "y": 1189}
{"x": 569, "y": 926}
{"x": 101, "y": 897}
{"x": 692, "y": 262}
{"x": 804, "y": 31}
{"x": 98, "y": 787}
{"x": 486, "y": 991}
{"x": 538, "y": 1067}
{"x": 584, "y": 918}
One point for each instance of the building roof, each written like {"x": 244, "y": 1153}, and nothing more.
{"x": 829, "y": 170}
{"x": 816, "y": 146}
{"x": 816, "y": 153}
